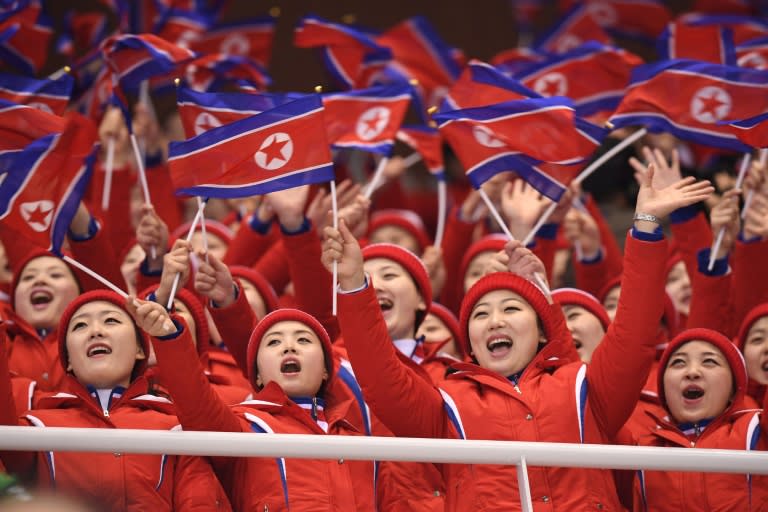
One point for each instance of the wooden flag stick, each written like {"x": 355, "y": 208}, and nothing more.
{"x": 751, "y": 194}
{"x": 109, "y": 168}
{"x": 191, "y": 231}
{"x": 411, "y": 159}
{"x": 442, "y": 205}
{"x": 103, "y": 280}
{"x": 374, "y": 184}
{"x": 201, "y": 206}
{"x": 335, "y": 211}
{"x": 745, "y": 161}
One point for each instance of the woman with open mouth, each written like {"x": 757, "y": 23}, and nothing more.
{"x": 702, "y": 387}
{"x": 528, "y": 383}
{"x": 104, "y": 355}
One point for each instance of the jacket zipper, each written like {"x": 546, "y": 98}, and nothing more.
{"x": 314, "y": 408}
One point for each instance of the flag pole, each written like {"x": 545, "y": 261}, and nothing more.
{"x": 377, "y": 175}
{"x": 751, "y": 194}
{"x": 442, "y": 205}
{"x": 335, "y": 210}
{"x": 411, "y": 159}
{"x": 177, "y": 278}
{"x": 586, "y": 173}
{"x": 109, "y": 167}
{"x": 745, "y": 161}
{"x": 200, "y": 206}
{"x": 543, "y": 218}
{"x": 103, "y": 280}
{"x": 540, "y": 281}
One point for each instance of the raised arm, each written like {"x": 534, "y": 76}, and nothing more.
{"x": 620, "y": 364}
{"x": 371, "y": 351}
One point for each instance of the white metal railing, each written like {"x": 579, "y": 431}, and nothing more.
{"x": 520, "y": 454}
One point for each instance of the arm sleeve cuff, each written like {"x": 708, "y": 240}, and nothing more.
{"x": 144, "y": 269}
{"x": 656, "y": 236}
{"x": 748, "y": 240}
{"x": 174, "y": 335}
{"x": 305, "y": 226}
{"x": 356, "y": 290}
{"x": 547, "y": 231}
{"x": 236, "y": 293}
{"x": 597, "y": 258}
{"x": 720, "y": 267}
{"x": 93, "y": 228}
{"x": 683, "y": 214}
{"x": 260, "y": 227}
{"x": 154, "y": 160}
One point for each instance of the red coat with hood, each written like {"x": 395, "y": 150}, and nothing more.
{"x": 267, "y": 484}
{"x": 551, "y": 401}
{"x": 115, "y": 481}
{"x": 737, "y": 428}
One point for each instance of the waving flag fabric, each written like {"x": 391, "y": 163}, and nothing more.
{"x": 544, "y": 129}
{"x": 689, "y": 99}
{"x": 575, "y": 28}
{"x": 744, "y": 28}
{"x": 351, "y": 56}
{"x": 594, "y": 76}
{"x": 753, "y": 131}
{"x": 133, "y": 58}
{"x": 482, "y": 84}
{"x": 247, "y": 38}
{"x": 281, "y": 148}
{"x": 40, "y": 194}
{"x": 200, "y": 111}
{"x": 366, "y": 119}
{"x": 710, "y": 43}
{"x": 212, "y": 71}
{"x": 182, "y": 27}
{"x": 44, "y": 94}
{"x": 428, "y": 143}
{"x": 21, "y": 125}
{"x": 753, "y": 53}
{"x": 483, "y": 155}
{"x": 19, "y": 27}
{"x": 514, "y": 60}
{"x": 419, "y": 53}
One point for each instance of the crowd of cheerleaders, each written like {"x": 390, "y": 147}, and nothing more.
{"x": 232, "y": 329}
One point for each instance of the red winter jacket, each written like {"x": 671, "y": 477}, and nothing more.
{"x": 266, "y": 484}
{"x": 116, "y": 481}
{"x": 34, "y": 357}
{"x": 552, "y": 401}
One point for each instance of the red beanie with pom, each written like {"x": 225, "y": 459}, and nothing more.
{"x": 576, "y": 297}
{"x": 403, "y": 219}
{"x": 259, "y": 282}
{"x": 406, "y": 259}
{"x": 451, "y": 323}
{"x": 753, "y": 316}
{"x": 489, "y": 243}
{"x": 189, "y": 299}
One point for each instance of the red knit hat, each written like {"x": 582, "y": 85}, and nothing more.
{"x": 259, "y": 282}
{"x": 31, "y": 255}
{"x": 451, "y": 323}
{"x": 513, "y": 283}
{"x": 406, "y": 259}
{"x": 211, "y": 226}
{"x": 404, "y": 219}
{"x": 285, "y": 315}
{"x": 194, "y": 306}
{"x": 607, "y": 287}
{"x": 753, "y": 316}
{"x": 729, "y": 350}
{"x": 489, "y": 243}
{"x": 576, "y": 297}
{"x": 93, "y": 296}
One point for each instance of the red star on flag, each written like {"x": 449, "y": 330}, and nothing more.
{"x": 709, "y": 105}
{"x": 274, "y": 151}
{"x": 38, "y": 216}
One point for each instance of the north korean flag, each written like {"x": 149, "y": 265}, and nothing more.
{"x": 753, "y": 54}
{"x": 44, "y": 94}
{"x": 133, "y": 58}
{"x": 483, "y": 155}
{"x": 23, "y": 26}
{"x": 739, "y": 7}
{"x": 689, "y": 99}
{"x": 744, "y": 28}
{"x": 201, "y": 111}
{"x": 428, "y": 143}
{"x": 709, "y": 43}
{"x": 366, "y": 119}
{"x": 281, "y": 148}
{"x": 594, "y": 76}
{"x": 40, "y": 194}
{"x": 514, "y": 60}
{"x": 753, "y": 131}
{"x": 544, "y": 129}
{"x": 213, "y": 71}
{"x": 637, "y": 19}
{"x": 351, "y": 56}
{"x": 250, "y": 38}
{"x": 181, "y": 27}
{"x": 482, "y": 84}
{"x": 575, "y": 28}
{"x": 21, "y": 125}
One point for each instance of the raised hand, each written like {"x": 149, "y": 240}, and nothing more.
{"x": 175, "y": 262}
{"x": 725, "y": 214}
{"x": 145, "y": 126}
{"x": 580, "y": 228}
{"x": 355, "y": 215}
{"x": 522, "y": 261}
{"x": 521, "y": 206}
{"x": 433, "y": 260}
{"x": 341, "y": 246}
{"x": 497, "y": 263}
{"x": 346, "y": 192}
{"x": 473, "y": 209}
{"x": 661, "y": 201}
{"x": 289, "y": 205}
{"x": 668, "y": 174}
{"x": 113, "y": 126}
{"x": 151, "y": 317}
{"x": 152, "y": 232}
{"x": 756, "y": 218}
{"x": 213, "y": 280}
